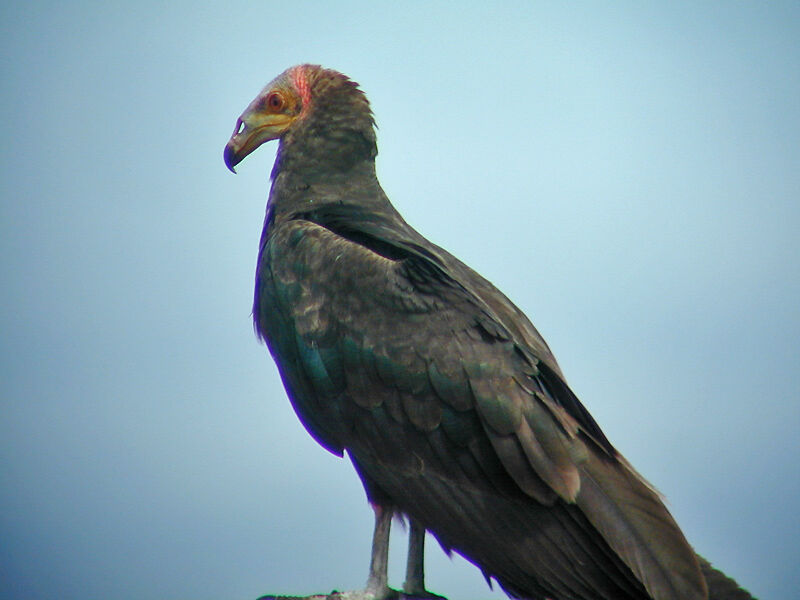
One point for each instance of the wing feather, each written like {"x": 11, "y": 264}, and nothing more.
{"x": 450, "y": 404}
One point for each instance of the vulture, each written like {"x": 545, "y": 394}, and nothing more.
{"x": 450, "y": 405}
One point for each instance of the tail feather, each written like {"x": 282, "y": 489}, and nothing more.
{"x": 720, "y": 586}
{"x": 635, "y": 523}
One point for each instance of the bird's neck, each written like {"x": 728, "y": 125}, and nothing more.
{"x": 325, "y": 148}
{"x": 324, "y": 171}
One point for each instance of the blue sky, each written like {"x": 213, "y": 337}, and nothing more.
{"x": 628, "y": 174}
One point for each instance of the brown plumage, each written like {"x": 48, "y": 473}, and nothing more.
{"x": 449, "y": 403}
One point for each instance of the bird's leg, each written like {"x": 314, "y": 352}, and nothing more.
{"x": 414, "y": 584}
{"x": 415, "y": 567}
{"x": 378, "y": 581}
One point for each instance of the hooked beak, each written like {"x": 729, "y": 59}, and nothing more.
{"x": 253, "y": 128}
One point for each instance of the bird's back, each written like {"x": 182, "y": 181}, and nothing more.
{"x": 452, "y": 408}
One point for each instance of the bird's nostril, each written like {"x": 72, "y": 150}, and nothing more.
{"x": 239, "y": 127}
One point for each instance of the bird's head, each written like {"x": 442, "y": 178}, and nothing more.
{"x": 289, "y": 104}
{"x": 269, "y": 116}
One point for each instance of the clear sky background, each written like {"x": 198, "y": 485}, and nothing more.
{"x": 628, "y": 173}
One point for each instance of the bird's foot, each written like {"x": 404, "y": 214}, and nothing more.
{"x": 385, "y": 594}
{"x": 369, "y": 593}
{"x": 366, "y": 594}
{"x": 419, "y": 594}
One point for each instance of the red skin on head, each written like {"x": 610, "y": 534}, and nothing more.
{"x": 298, "y": 78}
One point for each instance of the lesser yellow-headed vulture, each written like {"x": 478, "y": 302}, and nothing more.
{"x": 445, "y": 397}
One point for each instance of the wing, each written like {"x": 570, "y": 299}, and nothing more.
{"x": 421, "y": 371}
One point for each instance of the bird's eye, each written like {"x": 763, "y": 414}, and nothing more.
{"x": 275, "y": 102}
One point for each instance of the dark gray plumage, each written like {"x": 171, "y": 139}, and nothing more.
{"x": 446, "y": 398}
